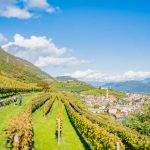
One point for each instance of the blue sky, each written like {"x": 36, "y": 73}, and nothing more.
{"x": 90, "y": 39}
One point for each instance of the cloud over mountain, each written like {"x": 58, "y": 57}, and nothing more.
{"x": 93, "y": 75}
{"x": 41, "y": 51}
{"x": 58, "y": 61}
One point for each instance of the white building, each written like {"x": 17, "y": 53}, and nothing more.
{"x": 112, "y": 110}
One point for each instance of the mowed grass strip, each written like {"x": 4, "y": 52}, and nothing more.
{"x": 45, "y": 129}
{"x": 70, "y": 140}
{"x": 9, "y": 112}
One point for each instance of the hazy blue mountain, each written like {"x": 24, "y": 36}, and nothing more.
{"x": 142, "y": 86}
{"x": 147, "y": 80}
{"x": 96, "y": 83}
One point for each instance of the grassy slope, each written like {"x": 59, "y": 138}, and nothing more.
{"x": 11, "y": 111}
{"x": 21, "y": 69}
{"x": 44, "y": 132}
{"x": 72, "y": 86}
{"x": 100, "y": 92}
{"x": 65, "y": 78}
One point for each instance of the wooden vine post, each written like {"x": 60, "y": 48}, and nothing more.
{"x": 16, "y": 140}
{"x": 58, "y": 131}
{"x": 118, "y": 145}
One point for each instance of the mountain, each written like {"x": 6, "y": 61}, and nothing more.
{"x": 96, "y": 83}
{"x": 21, "y": 69}
{"x": 141, "y": 86}
{"x": 147, "y": 80}
{"x": 66, "y": 78}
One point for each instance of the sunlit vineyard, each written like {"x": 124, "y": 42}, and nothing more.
{"x": 22, "y": 126}
{"x": 74, "y": 75}
{"x": 137, "y": 141}
{"x": 10, "y": 86}
{"x": 46, "y": 118}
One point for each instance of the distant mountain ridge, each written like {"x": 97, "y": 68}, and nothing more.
{"x": 131, "y": 86}
{"x": 134, "y": 86}
{"x": 96, "y": 84}
{"x": 21, "y": 69}
{"x": 147, "y": 80}
{"x": 66, "y": 78}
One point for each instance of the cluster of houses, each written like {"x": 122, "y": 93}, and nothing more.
{"x": 119, "y": 108}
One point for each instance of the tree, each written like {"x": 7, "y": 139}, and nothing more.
{"x": 108, "y": 106}
{"x": 96, "y": 106}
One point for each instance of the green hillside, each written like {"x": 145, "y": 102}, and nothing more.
{"x": 72, "y": 86}
{"x": 65, "y": 78}
{"x": 101, "y": 92}
{"x": 20, "y": 69}
{"x": 55, "y": 118}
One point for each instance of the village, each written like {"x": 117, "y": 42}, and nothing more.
{"x": 119, "y": 108}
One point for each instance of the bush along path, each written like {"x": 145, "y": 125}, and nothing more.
{"x": 131, "y": 138}
{"x": 12, "y": 111}
{"x": 42, "y": 125}
{"x": 19, "y": 132}
{"x": 70, "y": 140}
{"x": 98, "y": 137}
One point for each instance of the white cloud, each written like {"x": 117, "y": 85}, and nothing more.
{"x": 41, "y": 51}
{"x": 33, "y": 47}
{"x": 24, "y": 9}
{"x": 92, "y": 75}
{"x": 40, "y": 4}
{"x": 2, "y": 38}
{"x": 87, "y": 74}
{"x": 58, "y": 61}
{"x": 15, "y": 12}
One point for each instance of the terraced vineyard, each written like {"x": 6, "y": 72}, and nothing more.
{"x": 53, "y": 120}
{"x": 34, "y": 125}
{"x": 9, "y": 112}
{"x": 10, "y": 86}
